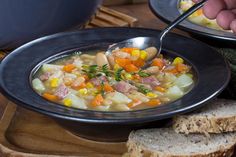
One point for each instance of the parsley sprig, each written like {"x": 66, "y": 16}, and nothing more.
{"x": 143, "y": 74}
{"x": 90, "y": 71}
{"x": 102, "y": 89}
{"x": 93, "y": 71}
{"x": 105, "y": 70}
{"x": 118, "y": 76}
{"x": 143, "y": 89}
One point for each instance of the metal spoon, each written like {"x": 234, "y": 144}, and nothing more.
{"x": 144, "y": 42}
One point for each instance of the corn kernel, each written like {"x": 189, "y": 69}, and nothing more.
{"x": 89, "y": 85}
{"x": 135, "y": 53}
{"x": 67, "y": 102}
{"x": 128, "y": 76}
{"x": 95, "y": 92}
{"x": 83, "y": 91}
{"x": 143, "y": 55}
{"x": 151, "y": 95}
{"x": 54, "y": 82}
{"x": 116, "y": 67}
{"x": 178, "y": 60}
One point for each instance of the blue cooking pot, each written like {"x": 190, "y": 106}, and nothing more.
{"x": 25, "y": 20}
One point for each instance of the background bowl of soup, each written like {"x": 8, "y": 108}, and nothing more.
{"x": 196, "y": 25}
{"x": 210, "y": 78}
{"x": 22, "y": 21}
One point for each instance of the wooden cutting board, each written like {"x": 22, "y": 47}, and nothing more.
{"x": 106, "y": 17}
{"x": 24, "y": 133}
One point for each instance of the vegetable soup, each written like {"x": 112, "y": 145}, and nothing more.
{"x": 198, "y": 17}
{"x": 114, "y": 83}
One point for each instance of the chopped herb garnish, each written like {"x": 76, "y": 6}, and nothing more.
{"x": 143, "y": 74}
{"x": 118, "y": 74}
{"x": 102, "y": 89}
{"x": 105, "y": 70}
{"x": 90, "y": 71}
{"x": 143, "y": 89}
{"x": 96, "y": 71}
{"x": 93, "y": 68}
{"x": 99, "y": 74}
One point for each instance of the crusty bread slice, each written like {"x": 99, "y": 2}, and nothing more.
{"x": 217, "y": 117}
{"x": 165, "y": 142}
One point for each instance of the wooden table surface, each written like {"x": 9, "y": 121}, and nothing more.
{"x": 145, "y": 16}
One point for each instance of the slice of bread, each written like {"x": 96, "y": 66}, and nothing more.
{"x": 217, "y": 117}
{"x": 165, "y": 142}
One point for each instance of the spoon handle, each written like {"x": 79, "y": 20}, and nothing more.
{"x": 182, "y": 17}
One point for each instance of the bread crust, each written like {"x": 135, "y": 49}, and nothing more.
{"x": 216, "y": 119}
{"x": 204, "y": 124}
{"x": 139, "y": 151}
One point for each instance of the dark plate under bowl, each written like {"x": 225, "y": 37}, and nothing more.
{"x": 159, "y": 8}
{"x": 212, "y": 76}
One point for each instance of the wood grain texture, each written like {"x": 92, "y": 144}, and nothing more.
{"x": 145, "y": 17}
{"x": 26, "y": 133}
{"x": 106, "y": 17}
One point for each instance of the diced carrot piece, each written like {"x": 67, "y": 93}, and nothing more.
{"x": 86, "y": 77}
{"x": 134, "y": 103}
{"x": 160, "y": 89}
{"x": 180, "y": 67}
{"x": 108, "y": 88}
{"x": 122, "y": 61}
{"x": 136, "y": 77}
{"x": 68, "y": 68}
{"x": 82, "y": 85}
{"x": 131, "y": 68}
{"x": 50, "y": 97}
{"x": 139, "y": 62}
{"x": 97, "y": 101}
{"x": 158, "y": 62}
{"x": 128, "y": 49}
{"x": 172, "y": 71}
{"x": 154, "y": 102}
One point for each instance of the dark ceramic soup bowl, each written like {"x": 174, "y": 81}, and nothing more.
{"x": 25, "y": 20}
{"x": 210, "y": 68}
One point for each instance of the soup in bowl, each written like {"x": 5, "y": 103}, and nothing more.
{"x": 117, "y": 82}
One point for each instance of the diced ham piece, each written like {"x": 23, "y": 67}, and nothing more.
{"x": 61, "y": 91}
{"x": 45, "y": 76}
{"x": 124, "y": 87}
{"x": 98, "y": 81}
{"x": 151, "y": 80}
